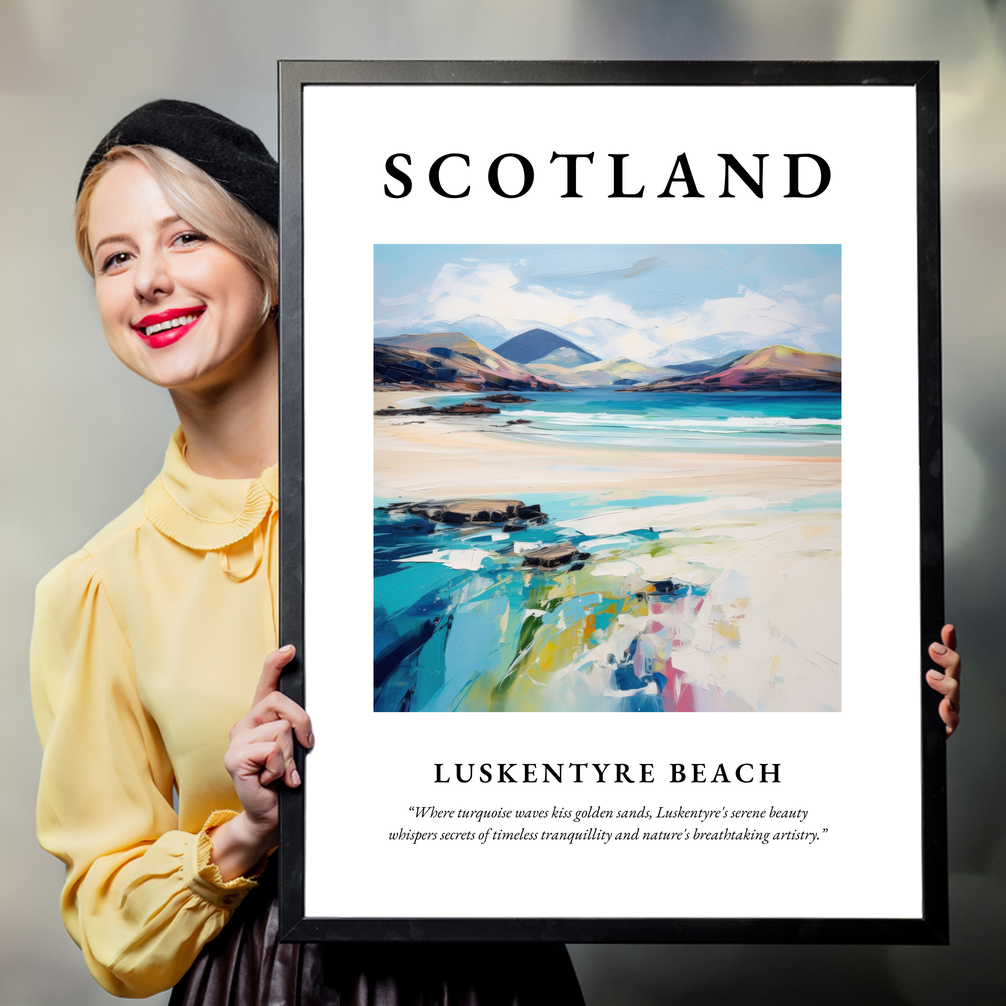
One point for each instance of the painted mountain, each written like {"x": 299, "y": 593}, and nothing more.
{"x": 449, "y": 361}
{"x": 704, "y": 366}
{"x": 601, "y": 374}
{"x": 623, "y": 371}
{"x": 774, "y": 368}
{"x": 483, "y": 330}
{"x": 544, "y": 347}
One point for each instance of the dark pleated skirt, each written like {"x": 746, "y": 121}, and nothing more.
{"x": 246, "y": 965}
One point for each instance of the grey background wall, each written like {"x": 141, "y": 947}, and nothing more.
{"x": 81, "y": 436}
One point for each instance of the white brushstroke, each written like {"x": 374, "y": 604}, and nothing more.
{"x": 664, "y": 517}
{"x": 619, "y": 567}
{"x": 525, "y": 546}
{"x": 602, "y": 543}
{"x": 453, "y": 558}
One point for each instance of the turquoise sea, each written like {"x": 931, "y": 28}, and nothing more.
{"x": 743, "y": 422}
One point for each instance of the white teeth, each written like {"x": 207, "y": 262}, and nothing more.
{"x": 174, "y": 323}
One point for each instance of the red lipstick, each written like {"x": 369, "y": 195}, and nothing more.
{"x": 166, "y": 327}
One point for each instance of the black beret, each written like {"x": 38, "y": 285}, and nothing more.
{"x": 231, "y": 154}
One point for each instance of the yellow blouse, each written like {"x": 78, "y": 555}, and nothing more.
{"x": 147, "y": 647}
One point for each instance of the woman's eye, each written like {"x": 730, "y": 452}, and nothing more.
{"x": 114, "y": 261}
{"x": 190, "y": 238}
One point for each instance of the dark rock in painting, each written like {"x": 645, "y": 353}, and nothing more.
{"x": 505, "y": 399}
{"x": 463, "y": 409}
{"x": 472, "y": 511}
{"x": 425, "y": 410}
{"x": 517, "y": 422}
{"x": 552, "y": 555}
{"x": 468, "y": 409}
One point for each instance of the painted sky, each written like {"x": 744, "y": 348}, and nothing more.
{"x": 653, "y": 303}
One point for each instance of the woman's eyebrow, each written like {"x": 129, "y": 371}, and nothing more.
{"x": 160, "y": 225}
{"x": 109, "y": 240}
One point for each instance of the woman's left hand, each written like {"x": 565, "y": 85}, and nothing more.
{"x": 948, "y": 681}
{"x": 260, "y": 754}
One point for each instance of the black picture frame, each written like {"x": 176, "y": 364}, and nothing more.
{"x": 932, "y": 927}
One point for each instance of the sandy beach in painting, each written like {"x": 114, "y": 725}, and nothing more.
{"x": 480, "y": 456}
{"x": 724, "y": 601}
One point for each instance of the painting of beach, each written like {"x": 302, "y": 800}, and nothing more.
{"x": 607, "y": 478}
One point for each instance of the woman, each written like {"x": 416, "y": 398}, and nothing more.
{"x": 148, "y": 643}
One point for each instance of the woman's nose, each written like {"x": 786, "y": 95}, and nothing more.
{"x": 152, "y": 277}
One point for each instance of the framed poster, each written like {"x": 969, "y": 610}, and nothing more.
{"x": 612, "y": 389}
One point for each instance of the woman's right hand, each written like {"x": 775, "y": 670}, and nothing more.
{"x": 259, "y": 754}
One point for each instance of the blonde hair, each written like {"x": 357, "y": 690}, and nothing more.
{"x": 199, "y": 200}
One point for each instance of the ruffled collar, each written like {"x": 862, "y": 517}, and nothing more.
{"x": 203, "y": 513}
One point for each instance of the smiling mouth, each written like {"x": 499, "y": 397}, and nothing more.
{"x": 167, "y": 321}
{"x": 185, "y": 319}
